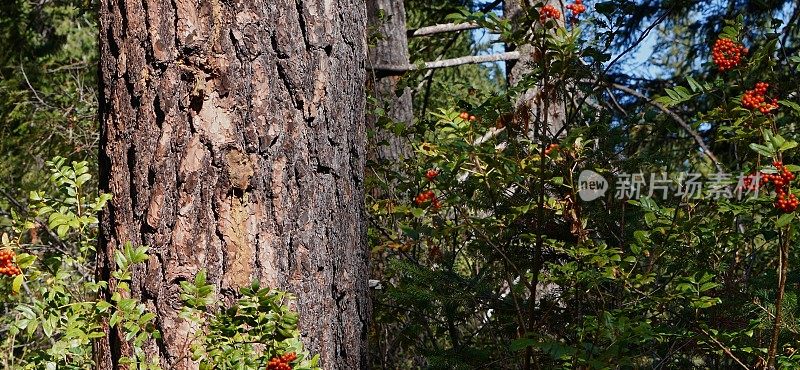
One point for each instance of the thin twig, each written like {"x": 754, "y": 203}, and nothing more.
{"x": 724, "y": 349}
{"x": 31, "y": 86}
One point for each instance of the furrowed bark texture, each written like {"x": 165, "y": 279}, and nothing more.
{"x": 233, "y": 140}
{"x": 388, "y": 19}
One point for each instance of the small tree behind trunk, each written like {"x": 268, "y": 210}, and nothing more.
{"x": 539, "y": 104}
{"x": 387, "y": 22}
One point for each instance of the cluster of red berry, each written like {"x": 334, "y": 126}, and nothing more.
{"x": 7, "y": 266}
{"x": 548, "y": 11}
{"x": 550, "y": 148}
{"x": 428, "y": 196}
{"x": 467, "y": 117}
{"x": 431, "y": 174}
{"x": 754, "y": 99}
{"x": 576, "y": 8}
{"x": 785, "y": 201}
{"x": 727, "y": 54}
{"x": 282, "y": 362}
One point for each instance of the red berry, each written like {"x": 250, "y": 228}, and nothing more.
{"x": 727, "y": 54}
{"x": 548, "y": 12}
{"x": 755, "y": 100}
{"x": 431, "y": 174}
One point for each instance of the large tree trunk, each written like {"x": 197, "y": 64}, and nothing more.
{"x": 388, "y": 20}
{"x": 233, "y": 140}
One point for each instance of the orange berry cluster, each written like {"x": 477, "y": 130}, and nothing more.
{"x": 548, "y": 11}
{"x": 282, "y": 362}
{"x": 428, "y": 196}
{"x": 576, "y": 8}
{"x": 431, "y": 174}
{"x": 7, "y": 266}
{"x": 754, "y": 99}
{"x": 550, "y": 148}
{"x": 466, "y": 116}
{"x": 727, "y": 54}
{"x": 785, "y": 201}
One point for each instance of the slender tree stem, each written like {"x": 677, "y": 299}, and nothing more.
{"x": 783, "y": 268}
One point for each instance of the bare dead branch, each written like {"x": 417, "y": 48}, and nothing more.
{"x": 442, "y": 28}
{"x": 681, "y": 122}
{"x": 445, "y": 63}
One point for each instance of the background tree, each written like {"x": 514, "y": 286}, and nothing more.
{"x": 388, "y": 56}
{"x": 48, "y": 88}
{"x": 232, "y": 140}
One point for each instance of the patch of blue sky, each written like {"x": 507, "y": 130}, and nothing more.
{"x": 640, "y": 62}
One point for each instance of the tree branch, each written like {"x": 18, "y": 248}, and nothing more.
{"x": 442, "y": 28}
{"x": 725, "y": 349}
{"x": 697, "y": 138}
{"x": 445, "y": 63}
{"x": 473, "y": 59}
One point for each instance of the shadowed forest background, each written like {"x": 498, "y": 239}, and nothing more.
{"x": 456, "y": 232}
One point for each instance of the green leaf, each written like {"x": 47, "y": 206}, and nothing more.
{"x": 693, "y": 84}
{"x": 82, "y": 179}
{"x": 790, "y": 104}
{"x": 784, "y": 220}
{"x": 200, "y": 278}
{"x": 521, "y": 343}
{"x": 25, "y": 260}
{"x": 62, "y": 230}
{"x": 763, "y": 150}
{"x": 787, "y": 145}
{"x": 707, "y": 286}
{"x": 17, "y": 283}
{"x": 115, "y": 318}
{"x": 102, "y": 306}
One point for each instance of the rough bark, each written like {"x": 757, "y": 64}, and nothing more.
{"x": 233, "y": 140}
{"x": 387, "y": 19}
